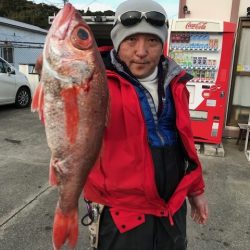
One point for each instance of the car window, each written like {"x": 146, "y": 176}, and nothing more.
{"x": 3, "y": 67}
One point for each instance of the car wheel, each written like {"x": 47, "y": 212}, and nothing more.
{"x": 23, "y": 97}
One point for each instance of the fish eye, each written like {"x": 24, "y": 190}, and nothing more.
{"x": 82, "y": 34}
{"x": 81, "y": 37}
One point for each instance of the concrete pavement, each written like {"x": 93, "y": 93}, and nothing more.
{"x": 27, "y": 202}
{"x": 228, "y": 192}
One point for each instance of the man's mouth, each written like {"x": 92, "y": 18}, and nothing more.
{"x": 142, "y": 63}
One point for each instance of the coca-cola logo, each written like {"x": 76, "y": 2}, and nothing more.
{"x": 196, "y": 26}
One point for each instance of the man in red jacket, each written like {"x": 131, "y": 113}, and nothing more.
{"x": 148, "y": 164}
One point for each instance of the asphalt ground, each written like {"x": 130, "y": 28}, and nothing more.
{"x": 27, "y": 202}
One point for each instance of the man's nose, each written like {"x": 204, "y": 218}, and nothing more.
{"x": 141, "y": 48}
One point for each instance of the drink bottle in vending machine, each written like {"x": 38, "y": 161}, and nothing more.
{"x": 204, "y": 49}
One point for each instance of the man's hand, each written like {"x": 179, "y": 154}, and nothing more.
{"x": 199, "y": 208}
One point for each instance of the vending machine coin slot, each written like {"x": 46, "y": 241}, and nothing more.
{"x": 216, "y": 118}
{"x": 205, "y": 86}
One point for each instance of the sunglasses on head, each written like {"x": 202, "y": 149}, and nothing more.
{"x": 131, "y": 18}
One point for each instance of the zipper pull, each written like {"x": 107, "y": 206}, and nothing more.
{"x": 170, "y": 218}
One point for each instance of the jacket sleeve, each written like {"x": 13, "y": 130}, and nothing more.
{"x": 198, "y": 186}
{"x": 183, "y": 122}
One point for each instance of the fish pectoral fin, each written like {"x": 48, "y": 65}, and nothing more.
{"x": 52, "y": 175}
{"x": 38, "y": 101}
{"x": 65, "y": 229}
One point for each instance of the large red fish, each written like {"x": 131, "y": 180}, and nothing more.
{"x": 72, "y": 100}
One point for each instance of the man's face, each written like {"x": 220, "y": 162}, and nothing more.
{"x": 141, "y": 53}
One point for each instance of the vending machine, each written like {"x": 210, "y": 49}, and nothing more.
{"x": 204, "y": 49}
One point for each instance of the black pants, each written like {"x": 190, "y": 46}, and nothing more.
{"x": 156, "y": 233}
{"x": 169, "y": 164}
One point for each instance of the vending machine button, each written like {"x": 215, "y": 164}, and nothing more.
{"x": 222, "y": 94}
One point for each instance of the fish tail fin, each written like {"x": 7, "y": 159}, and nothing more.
{"x": 52, "y": 176}
{"x": 38, "y": 101}
{"x": 65, "y": 229}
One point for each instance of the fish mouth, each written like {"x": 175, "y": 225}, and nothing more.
{"x": 62, "y": 21}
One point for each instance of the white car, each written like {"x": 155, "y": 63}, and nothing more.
{"x": 14, "y": 86}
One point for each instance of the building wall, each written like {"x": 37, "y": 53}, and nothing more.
{"x": 27, "y": 45}
{"x": 26, "y": 55}
{"x": 209, "y": 10}
{"x": 223, "y": 10}
{"x": 243, "y": 7}
{"x": 20, "y": 35}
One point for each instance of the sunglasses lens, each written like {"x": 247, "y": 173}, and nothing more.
{"x": 130, "y": 18}
{"x": 155, "y": 18}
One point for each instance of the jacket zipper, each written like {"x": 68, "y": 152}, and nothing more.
{"x": 160, "y": 137}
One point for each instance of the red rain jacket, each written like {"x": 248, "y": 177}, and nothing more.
{"x": 123, "y": 176}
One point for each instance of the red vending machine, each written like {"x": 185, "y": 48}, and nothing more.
{"x": 204, "y": 49}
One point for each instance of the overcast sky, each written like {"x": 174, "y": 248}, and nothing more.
{"x": 171, "y": 6}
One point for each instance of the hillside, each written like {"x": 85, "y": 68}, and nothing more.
{"x": 35, "y": 14}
